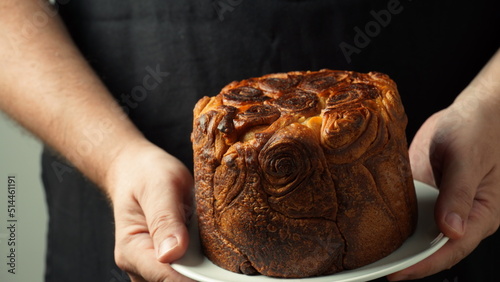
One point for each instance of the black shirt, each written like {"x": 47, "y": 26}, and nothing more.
{"x": 159, "y": 57}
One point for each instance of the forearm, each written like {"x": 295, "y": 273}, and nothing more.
{"x": 48, "y": 87}
{"x": 484, "y": 89}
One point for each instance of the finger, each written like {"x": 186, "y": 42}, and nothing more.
{"x": 419, "y": 152}
{"x": 144, "y": 261}
{"x": 457, "y": 189}
{"x": 165, "y": 212}
{"x": 450, "y": 254}
{"x": 453, "y": 251}
{"x": 419, "y": 161}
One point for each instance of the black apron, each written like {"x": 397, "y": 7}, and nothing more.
{"x": 159, "y": 57}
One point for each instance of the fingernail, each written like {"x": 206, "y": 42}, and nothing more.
{"x": 455, "y": 222}
{"x": 167, "y": 245}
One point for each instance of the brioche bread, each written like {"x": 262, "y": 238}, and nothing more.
{"x": 303, "y": 173}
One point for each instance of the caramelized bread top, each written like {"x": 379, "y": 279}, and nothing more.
{"x": 342, "y": 108}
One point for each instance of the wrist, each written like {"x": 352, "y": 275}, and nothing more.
{"x": 478, "y": 100}
{"x": 132, "y": 164}
{"x": 484, "y": 89}
{"x": 126, "y": 155}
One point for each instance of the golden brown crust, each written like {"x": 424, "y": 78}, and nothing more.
{"x": 303, "y": 173}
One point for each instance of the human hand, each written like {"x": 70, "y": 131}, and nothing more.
{"x": 151, "y": 195}
{"x": 457, "y": 150}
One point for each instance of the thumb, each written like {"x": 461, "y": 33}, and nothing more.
{"x": 169, "y": 233}
{"x": 457, "y": 181}
{"x": 166, "y": 214}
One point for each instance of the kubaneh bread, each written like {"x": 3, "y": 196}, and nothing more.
{"x": 303, "y": 173}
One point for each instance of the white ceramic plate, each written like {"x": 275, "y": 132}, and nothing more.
{"x": 425, "y": 241}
